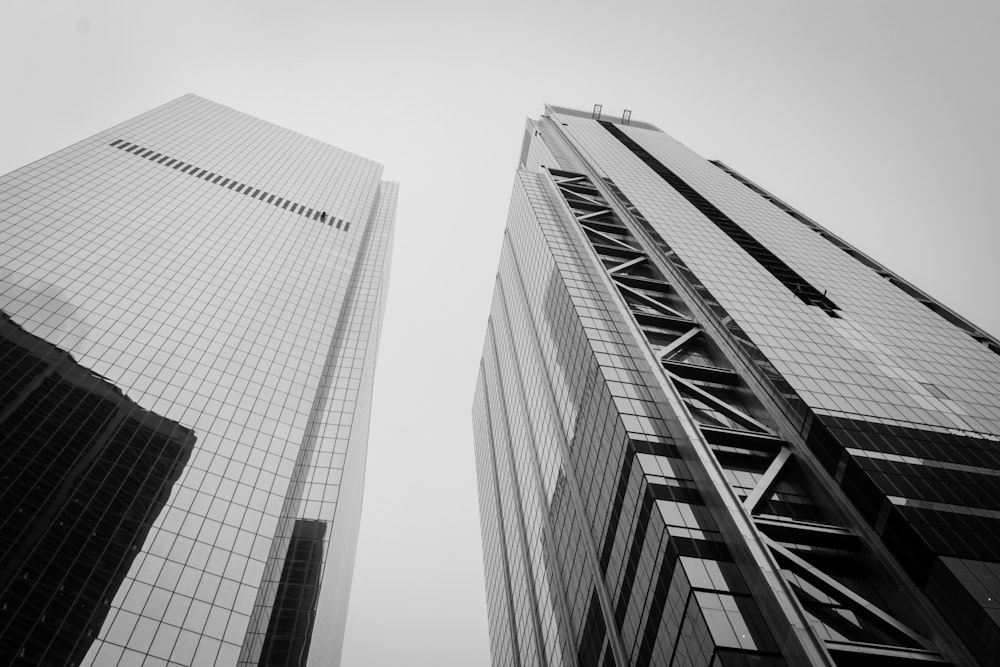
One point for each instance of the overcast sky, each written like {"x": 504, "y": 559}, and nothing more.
{"x": 879, "y": 119}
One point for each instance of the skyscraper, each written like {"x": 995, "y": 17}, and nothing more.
{"x": 191, "y": 308}
{"x": 710, "y": 432}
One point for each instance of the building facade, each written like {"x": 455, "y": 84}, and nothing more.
{"x": 710, "y": 432}
{"x": 191, "y": 304}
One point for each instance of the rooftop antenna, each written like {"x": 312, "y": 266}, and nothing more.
{"x": 626, "y": 116}
{"x": 597, "y": 112}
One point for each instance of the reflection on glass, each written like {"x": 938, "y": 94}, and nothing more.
{"x": 84, "y": 472}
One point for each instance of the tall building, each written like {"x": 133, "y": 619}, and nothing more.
{"x": 710, "y": 432}
{"x": 191, "y": 304}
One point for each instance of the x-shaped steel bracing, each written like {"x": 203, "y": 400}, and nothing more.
{"x": 587, "y": 205}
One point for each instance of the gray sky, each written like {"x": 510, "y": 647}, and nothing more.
{"x": 877, "y": 119}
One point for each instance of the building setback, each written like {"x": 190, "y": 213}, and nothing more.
{"x": 710, "y": 432}
{"x": 191, "y": 303}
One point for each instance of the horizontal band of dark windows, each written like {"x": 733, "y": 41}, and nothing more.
{"x": 798, "y": 285}
{"x": 656, "y": 448}
{"x": 961, "y": 476}
{"x": 217, "y": 179}
{"x": 973, "y": 494}
{"x": 930, "y": 463}
{"x": 676, "y": 493}
{"x": 947, "y": 533}
{"x": 909, "y": 441}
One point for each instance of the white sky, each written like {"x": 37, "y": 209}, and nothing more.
{"x": 879, "y": 119}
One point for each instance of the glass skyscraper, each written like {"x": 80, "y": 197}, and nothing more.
{"x": 191, "y": 304}
{"x": 710, "y": 432}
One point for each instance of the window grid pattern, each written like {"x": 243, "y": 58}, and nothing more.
{"x": 211, "y": 311}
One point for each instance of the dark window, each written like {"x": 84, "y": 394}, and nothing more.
{"x": 224, "y": 182}
{"x": 309, "y": 213}
{"x": 116, "y": 142}
{"x": 216, "y": 179}
{"x": 154, "y": 156}
{"x": 339, "y": 222}
{"x": 255, "y": 192}
{"x": 163, "y": 159}
{"x": 286, "y": 204}
{"x": 202, "y": 172}
{"x": 147, "y": 153}
{"x": 270, "y": 200}
{"x": 172, "y": 163}
{"x": 240, "y": 188}
{"x": 278, "y": 201}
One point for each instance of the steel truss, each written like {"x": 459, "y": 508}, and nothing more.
{"x": 819, "y": 560}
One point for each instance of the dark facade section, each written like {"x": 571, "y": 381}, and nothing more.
{"x": 290, "y": 629}
{"x": 934, "y": 497}
{"x": 84, "y": 472}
